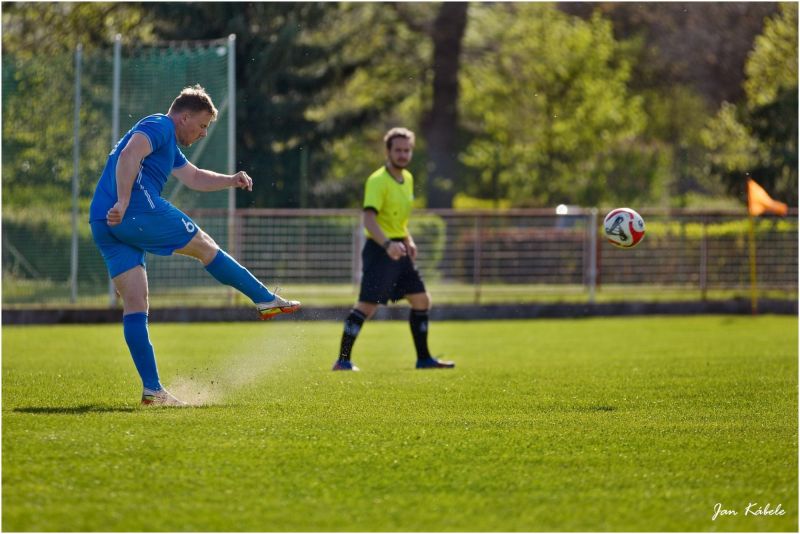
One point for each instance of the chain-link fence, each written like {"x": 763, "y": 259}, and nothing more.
{"x": 465, "y": 257}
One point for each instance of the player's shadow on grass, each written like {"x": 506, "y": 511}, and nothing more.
{"x": 73, "y": 410}
{"x": 88, "y": 408}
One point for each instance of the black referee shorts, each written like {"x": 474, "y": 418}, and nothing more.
{"x": 385, "y": 279}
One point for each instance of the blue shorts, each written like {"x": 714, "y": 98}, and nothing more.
{"x": 161, "y": 231}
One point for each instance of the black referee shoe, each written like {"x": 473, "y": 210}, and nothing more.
{"x": 344, "y": 365}
{"x": 433, "y": 363}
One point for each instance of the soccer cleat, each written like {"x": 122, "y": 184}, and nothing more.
{"x": 433, "y": 363}
{"x": 279, "y": 305}
{"x": 161, "y": 397}
{"x": 344, "y": 365}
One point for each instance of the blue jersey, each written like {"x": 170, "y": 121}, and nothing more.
{"x": 153, "y": 172}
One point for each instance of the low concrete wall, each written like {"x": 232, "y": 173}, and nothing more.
{"x": 400, "y": 312}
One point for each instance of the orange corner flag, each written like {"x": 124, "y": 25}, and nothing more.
{"x": 758, "y": 201}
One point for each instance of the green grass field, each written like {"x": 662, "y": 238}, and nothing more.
{"x": 557, "y": 425}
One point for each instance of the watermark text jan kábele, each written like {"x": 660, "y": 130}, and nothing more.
{"x": 752, "y": 508}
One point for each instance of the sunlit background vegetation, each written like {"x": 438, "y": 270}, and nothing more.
{"x": 515, "y": 104}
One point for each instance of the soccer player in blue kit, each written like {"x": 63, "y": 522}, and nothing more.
{"x": 129, "y": 217}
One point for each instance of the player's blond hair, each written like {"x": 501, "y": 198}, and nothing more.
{"x": 193, "y": 99}
{"x": 394, "y": 133}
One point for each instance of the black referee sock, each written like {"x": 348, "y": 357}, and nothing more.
{"x": 418, "y": 319}
{"x": 352, "y": 326}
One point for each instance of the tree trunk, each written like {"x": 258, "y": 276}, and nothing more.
{"x": 440, "y": 126}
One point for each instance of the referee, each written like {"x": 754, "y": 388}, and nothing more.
{"x": 388, "y": 257}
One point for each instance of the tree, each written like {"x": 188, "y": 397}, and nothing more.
{"x": 34, "y": 29}
{"x": 772, "y": 65}
{"x": 290, "y": 59}
{"x": 759, "y": 137}
{"x": 689, "y": 59}
{"x": 440, "y": 124}
{"x": 393, "y": 84}
{"x": 442, "y": 24}
{"x": 39, "y": 41}
{"x": 415, "y": 69}
{"x": 700, "y": 45}
{"x": 551, "y": 119}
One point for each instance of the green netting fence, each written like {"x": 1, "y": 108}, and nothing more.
{"x": 39, "y": 102}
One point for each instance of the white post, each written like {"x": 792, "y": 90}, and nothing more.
{"x": 112, "y": 292}
{"x": 704, "y": 259}
{"x": 76, "y": 152}
{"x": 232, "y": 105}
{"x": 592, "y": 254}
{"x": 232, "y": 148}
{"x": 477, "y": 252}
{"x": 358, "y": 244}
{"x": 231, "y": 132}
{"x": 115, "y": 89}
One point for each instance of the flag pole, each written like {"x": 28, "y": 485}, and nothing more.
{"x": 758, "y": 201}
{"x": 753, "y": 290}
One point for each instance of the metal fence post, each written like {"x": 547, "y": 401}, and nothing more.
{"x": 476, "y": 259}
{"x": 592, "y": 254}
{"x": 704, "y": 259}
{"x": 76, "y": 148}
{"x": 117, "y": 69}
{"x": 232, "y": 150}
{"x": 358, "y": 244}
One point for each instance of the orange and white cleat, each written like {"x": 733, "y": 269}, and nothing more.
{"x": 279, "y": 305}
{"x": 162, "y": 397}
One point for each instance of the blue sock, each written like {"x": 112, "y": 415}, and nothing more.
{"x": 231, "y": 273}
{"x": 134, "y": 326}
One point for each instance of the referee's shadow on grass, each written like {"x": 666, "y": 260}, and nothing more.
{"x": 73, "y": 410}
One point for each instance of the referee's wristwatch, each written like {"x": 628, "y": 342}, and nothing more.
{"x": 387, "y": 244}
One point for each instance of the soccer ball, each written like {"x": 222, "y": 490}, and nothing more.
{"x": 623, "y": 227}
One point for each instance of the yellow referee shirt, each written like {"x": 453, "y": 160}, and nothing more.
{"x": 392, "y": 201}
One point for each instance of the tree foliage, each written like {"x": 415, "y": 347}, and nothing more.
{"x": 424, "y": 48}
{"x": 39, "y": 42}
{"x": 759, "y": 136}
{"x": 614, "y": 105}
{"x": 699, "y": 45}
{"x": 286, "y": 64}
{"x": 772, "y": 66}
{"x": 41, "y": 29}
{"x": 689, "y": 59}
{"x": 440, "y": 124}
{"x": 394, "y": 83}
{"x": 549, "y": 113}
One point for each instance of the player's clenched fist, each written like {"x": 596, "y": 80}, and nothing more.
{"x": 115, "y": 214}
{"x": 242, "y": 180}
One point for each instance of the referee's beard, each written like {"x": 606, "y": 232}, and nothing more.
{"x": 398, "y": 165}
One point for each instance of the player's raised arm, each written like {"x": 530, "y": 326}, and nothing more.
{"x": 128, "y": 165}
{"x": 205, "y": 180}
